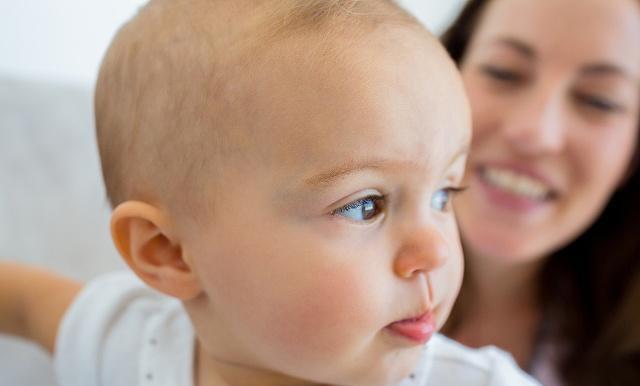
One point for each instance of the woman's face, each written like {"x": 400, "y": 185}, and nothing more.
{"x": 554, "y": 87}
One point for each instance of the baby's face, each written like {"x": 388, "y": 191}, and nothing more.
{"x": 332, "y": 232}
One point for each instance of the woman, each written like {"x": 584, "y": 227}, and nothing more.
{"x": 551, "y": 221}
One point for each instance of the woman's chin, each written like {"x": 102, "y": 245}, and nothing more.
{"x": 503, "y": 249}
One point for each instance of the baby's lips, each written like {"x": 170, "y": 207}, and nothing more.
{"x": 419, "y": 329}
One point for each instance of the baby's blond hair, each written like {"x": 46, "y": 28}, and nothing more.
{"x": 172, "y": 95}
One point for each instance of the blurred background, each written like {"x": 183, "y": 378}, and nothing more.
{"x": 53, "y": 210}
{"x": 63, "y": 41}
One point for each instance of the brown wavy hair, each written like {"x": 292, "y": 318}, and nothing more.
{"x": 589, "y": 289}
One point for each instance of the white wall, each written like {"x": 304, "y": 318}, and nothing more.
{"x": 64, "y": 40}
{"x": 435, "y": 14}
{"x": 59, "y": 40}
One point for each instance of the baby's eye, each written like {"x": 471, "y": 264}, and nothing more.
{"x": 441, "y": 198}
{"x": 364, "y": 209}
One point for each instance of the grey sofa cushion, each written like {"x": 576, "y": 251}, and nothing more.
{"x": 53, "y": 210}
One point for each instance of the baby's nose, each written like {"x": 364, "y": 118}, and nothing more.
{"x": 423, "y": 252}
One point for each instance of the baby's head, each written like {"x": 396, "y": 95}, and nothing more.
{"x": 285, "y": 169}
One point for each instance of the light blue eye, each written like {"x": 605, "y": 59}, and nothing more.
{"x": 363, "y": 209}
{"x": 440, "y": 199}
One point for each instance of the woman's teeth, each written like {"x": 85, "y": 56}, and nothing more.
{"x": 516, "y": 183}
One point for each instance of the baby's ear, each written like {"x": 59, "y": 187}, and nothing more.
{"x": 143, "y": 235}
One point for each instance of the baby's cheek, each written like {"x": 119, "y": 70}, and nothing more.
{"x": 446, "y": 284}
{"x": 332, "y": 311}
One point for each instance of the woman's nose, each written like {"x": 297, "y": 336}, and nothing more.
{"x": 422, "y": 252}
{"x": 537, "y": 125}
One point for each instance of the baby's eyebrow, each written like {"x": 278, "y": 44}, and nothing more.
{"x": 352, "y": 166}
{"x": 335, "y": 173}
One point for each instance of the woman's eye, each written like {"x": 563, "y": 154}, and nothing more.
{"x": 364, "y": 209}
{"x": 597, "y": 102}
{"x": 442, "y": 197}
{"x": 502, "y": 75}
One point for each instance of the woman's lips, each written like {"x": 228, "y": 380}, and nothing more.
{"x": 419, "y": 329}
{"x": 509, "y": 188}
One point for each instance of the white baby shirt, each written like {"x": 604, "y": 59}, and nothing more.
{"x": 119, "y": 332}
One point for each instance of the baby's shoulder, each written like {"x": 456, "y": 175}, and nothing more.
{"x": 450, "y": 363}
{"x": 118, "y": 331}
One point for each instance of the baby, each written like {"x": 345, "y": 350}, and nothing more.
{"x": 283, "y": 171}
